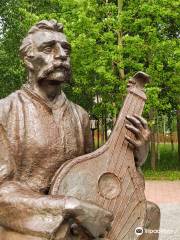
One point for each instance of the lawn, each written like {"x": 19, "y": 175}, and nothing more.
{"x": 161, "y": 175}
{"x": 168, "y": 165}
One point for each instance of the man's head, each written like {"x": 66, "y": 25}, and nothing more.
{"x": 45, "y": 52}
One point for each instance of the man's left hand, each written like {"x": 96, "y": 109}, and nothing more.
{"x": 138, "y": 126}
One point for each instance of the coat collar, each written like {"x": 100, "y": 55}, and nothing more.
{"x": 58, "y": 102}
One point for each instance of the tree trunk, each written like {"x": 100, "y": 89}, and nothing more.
{"x": 164, "y": 129}
{"x": 120, "y": 46}
{"x": 178, "y": 132}
{"x": 105, "y": 128}
{"x": 102, "y": 129}
{"x": 172, "y": 142}
{"x": 153, "y": 141}
{"x": 93, "y": 137}
{"x": 157, "y": 142}
{"x": 153, "y": 150}
{"x": 98, "y": 133}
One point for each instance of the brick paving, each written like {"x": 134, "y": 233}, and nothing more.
{"x": 163, "y": 191}
{"x": 166, "y": 194}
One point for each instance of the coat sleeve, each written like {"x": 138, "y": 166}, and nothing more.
{"x": 21, "y": 209}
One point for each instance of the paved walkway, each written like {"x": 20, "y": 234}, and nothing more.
{"x": 166, "y": 194}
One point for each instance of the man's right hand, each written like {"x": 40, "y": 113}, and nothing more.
{"x": 96, "y": 220}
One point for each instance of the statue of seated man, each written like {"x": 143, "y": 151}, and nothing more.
{"x": 40, "y": 129}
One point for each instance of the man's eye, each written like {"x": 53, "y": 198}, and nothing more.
{"x": 67, "y": 50}
{"x": 47, "y": 49}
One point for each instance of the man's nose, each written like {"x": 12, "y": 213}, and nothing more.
{"x": 60, "y": 53}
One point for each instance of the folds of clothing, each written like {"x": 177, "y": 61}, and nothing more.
{"x": 28, "y": 212}
{"x": 35, "y": 140}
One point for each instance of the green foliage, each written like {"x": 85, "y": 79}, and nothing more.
{"x": 147, "y": 32}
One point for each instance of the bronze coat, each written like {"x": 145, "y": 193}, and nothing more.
{"x": 35, "y": 139}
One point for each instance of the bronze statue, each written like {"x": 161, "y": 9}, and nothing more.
{"x": 40, "y": 129}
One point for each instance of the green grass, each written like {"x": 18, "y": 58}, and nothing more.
{"x": 168, "y": 165}
{"x": 167, "y": 159}
{"x": 162, "y": 175}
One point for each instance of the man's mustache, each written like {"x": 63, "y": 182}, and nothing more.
{"x": 56, "y": 65}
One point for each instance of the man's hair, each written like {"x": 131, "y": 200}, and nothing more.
{"x": 51, "y": 25}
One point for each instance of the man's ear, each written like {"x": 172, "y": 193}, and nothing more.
{"x": 28, "y": 63}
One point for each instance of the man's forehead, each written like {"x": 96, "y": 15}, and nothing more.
{"x": 41, "y": 37}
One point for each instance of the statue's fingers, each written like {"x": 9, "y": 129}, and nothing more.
{"x": 109, "y": 227}
{"x": 131, "y": 83}
{"x": 142, "y": 120}
{"x": 74, "y": 229}
{"x": 110, "y": 216}
{"x": 135, "y": 122}
{"x": 134, "y": 130}
{"x": 104, "y": 239}
{"x": 131, "y": 142}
